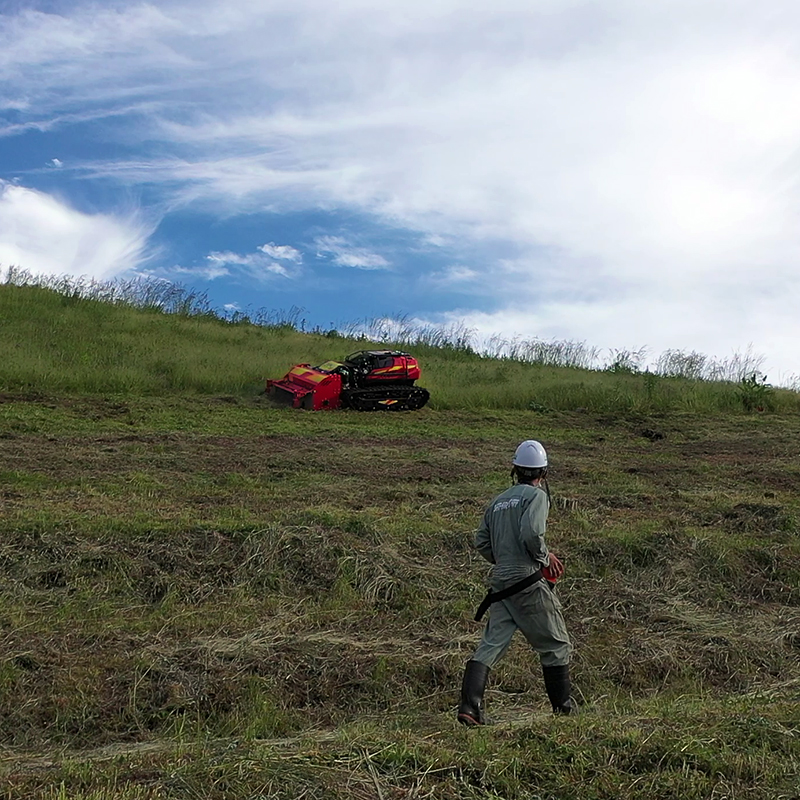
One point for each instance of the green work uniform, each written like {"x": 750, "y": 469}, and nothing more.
{"x": 511, "y": 536}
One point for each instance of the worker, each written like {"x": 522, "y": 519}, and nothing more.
{"x": 522, "y": 594}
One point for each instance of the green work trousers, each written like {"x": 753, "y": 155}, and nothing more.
{"x": 536, "y": 611}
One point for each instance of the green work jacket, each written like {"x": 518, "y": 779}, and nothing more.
{"x": 511, "y": 534}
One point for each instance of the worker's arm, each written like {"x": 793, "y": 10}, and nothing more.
{"x": 483, "y": 541}
{"x": 532, "y": 528}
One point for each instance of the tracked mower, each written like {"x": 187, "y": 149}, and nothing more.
{"x": 368, "y": 380}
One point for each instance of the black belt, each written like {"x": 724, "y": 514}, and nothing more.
{"x": 494, "y": 597}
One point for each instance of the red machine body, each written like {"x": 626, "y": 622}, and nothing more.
{"x": 378, "y": 366}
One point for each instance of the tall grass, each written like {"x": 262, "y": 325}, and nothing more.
{"x": 51, "y": 342}
{"x": 554, "y": 353}
{"x": 148, "y": 293}
{"x": 153, "y": 337}
{"x": 697, "y": 366}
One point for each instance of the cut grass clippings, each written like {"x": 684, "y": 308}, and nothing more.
{"x": 226, "y": 600}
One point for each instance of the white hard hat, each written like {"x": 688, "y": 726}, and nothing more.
{"x": 530, "y": 454}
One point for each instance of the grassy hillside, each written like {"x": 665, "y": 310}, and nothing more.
{"x": 203, "y": 596}
{"x": 67, "y": 343}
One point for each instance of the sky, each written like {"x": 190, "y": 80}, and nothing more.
{"x": 619, "y": 172}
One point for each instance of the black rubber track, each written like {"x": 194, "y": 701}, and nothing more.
{"x": 386, "y": 398}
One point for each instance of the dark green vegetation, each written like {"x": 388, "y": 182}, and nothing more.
{"x": 207, "y": 597}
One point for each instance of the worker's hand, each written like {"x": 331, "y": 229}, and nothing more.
{"x": 555, "y": 566}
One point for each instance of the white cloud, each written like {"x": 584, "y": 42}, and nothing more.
{"x": 639, "y": 159}
{"x": 435, "y": 240}
{"x": 254, "y": 264}
{"x": 456, "y": 276}
{"x": 345, "y": 254}
{"x": 43, "y": 235}
{"x": 55, "y": 162}
{"x": 227, "y": 257}
{"x": 207, "y": 273}
{"x": 283, "y": 252}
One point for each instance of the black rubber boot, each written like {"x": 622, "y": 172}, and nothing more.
{"x": 470, "y": 711}
{"x": 558, "y": 686}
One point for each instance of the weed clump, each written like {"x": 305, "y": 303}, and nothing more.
{"x": 755, "y": 393}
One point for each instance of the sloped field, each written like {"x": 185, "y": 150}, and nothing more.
{"x": 213, "y": 598}
{"x": 74, "y": 342}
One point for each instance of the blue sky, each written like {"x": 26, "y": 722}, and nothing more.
{"x": 618, "y": 172}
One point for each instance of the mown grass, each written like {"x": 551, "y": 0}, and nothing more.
{"x": 536, "y": 760}
{"x": 210, "y": 597}
{"x": 71, "y": 343}
{"x": 204, "y": 596}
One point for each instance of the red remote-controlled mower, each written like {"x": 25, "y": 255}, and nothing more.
{"x": 368, "y": 380}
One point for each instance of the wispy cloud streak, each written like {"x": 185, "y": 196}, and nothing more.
{"x": 345, "y": 254}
